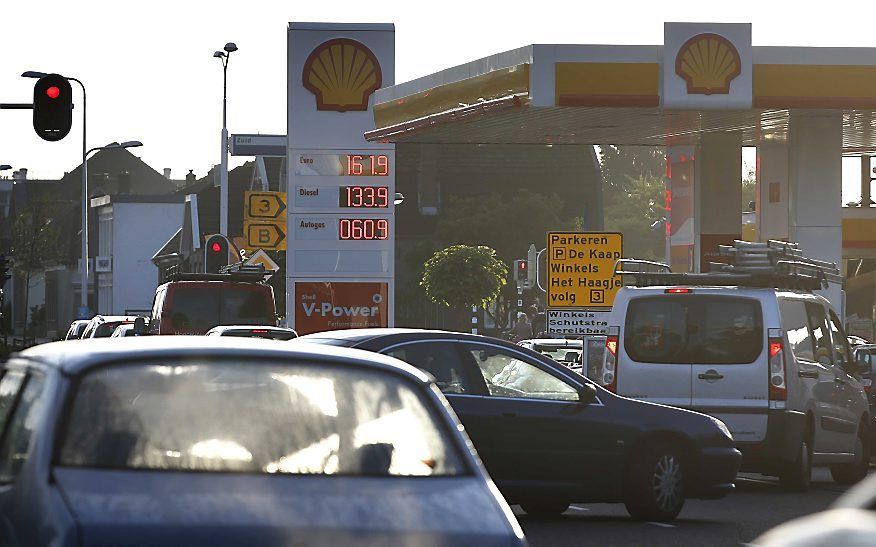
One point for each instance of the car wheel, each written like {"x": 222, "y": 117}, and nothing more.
{"x": 851, "y": 473}
{"x": 544, "y": 508}
{"x": 655, "y": 485}
{"x": 797, "y": 475}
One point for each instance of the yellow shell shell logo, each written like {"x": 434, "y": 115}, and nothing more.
{"x": 708, "y": 63}
{"x": 343, "y": 74}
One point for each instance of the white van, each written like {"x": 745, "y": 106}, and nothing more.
{"x": 772, "y": 364}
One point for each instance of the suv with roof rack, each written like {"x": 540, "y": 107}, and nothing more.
{"x": 194, "y": 303}
{"x": 751, "y": 345}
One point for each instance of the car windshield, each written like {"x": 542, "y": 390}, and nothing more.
{"x": 694, "y": 328}
{"x": 105, "y": 330}
{"x": 559, "y": 353}
{"x": 241, "y": 416}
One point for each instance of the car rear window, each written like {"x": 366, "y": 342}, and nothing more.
{"x": 105, "y": 330}
{"x": 239, "y": 416}
{"x": 559, "y": 353}
{"x": 691, "y": 328}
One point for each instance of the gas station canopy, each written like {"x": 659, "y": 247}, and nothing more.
{"x": 636, "y": 95}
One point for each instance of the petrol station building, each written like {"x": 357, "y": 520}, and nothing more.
{"x": 703, "y": 94}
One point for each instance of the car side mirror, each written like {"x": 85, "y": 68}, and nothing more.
{"x": 586, "y": 394}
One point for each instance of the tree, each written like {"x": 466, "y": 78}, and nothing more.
{"x": 623, "y": 165}
{"x": 36, "y": 241}
{"x": 462, "y": 276}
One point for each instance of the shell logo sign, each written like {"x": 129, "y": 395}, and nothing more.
{"x": 342, "y": 73}
{"x": 708, "y": 63}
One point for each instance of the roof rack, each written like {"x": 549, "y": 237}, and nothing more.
{"x": 248, "y": 273}
{"x": 774, "y": 264}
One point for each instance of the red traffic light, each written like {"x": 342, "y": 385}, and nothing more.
{"x": 53, "y": 92}
{"x": 216, "y": 247}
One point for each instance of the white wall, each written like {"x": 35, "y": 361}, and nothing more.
{"x": 139, "y": 230}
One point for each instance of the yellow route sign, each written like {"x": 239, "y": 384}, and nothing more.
{"x": 581, "y": 269}
{"x": 270, "y": 236}
{"x": 265, "y": 205}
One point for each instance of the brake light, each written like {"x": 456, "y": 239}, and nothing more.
{"x": 259, "y": 331}
{"x": 778, "y": 387}
{"x": 608, "y": 378}
{"x": 678, "y": 290}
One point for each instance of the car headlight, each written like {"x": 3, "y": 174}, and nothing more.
{"x": 722, "y": 426}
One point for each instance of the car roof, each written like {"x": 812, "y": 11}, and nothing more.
{"x": 114, "y": 318}
{"x": 361, "y": 335}
{"x": 77, "y": 356}
{"x": 250, "y": 327}
{"x": 554, "y": 341}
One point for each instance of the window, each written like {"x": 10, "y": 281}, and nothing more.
{"x": 820, "y": 333}
{"x": 238, "y": 416}
{"x": 509, "y": 376}
{"x": 841, "y": 350}
{"x": 702, "y": 329}
{"x": 245, "y": 307}
{"x": 796, "y": 324}
{"x": 195, "y": 308}
{"x": 16, "y": 440}
{"x": 441, "y": 360}
{"x": 9, "y": 387}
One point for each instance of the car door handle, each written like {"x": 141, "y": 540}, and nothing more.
{"x": 808, "y": 374}
{"x": 710, "y": 375}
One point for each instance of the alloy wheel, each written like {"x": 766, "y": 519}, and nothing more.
{"x": 667, "y": 482}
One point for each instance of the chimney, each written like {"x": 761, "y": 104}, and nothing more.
{"x": 124, "y": 179}
{"x": 191, "y": 176}
{"x": 167, "y": 173}
{"x": 20, "y": 174}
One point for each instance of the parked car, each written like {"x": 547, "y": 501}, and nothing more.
{"x": 254, "y": 331}
{"x": 772, "y": 364}
{"x": 865, "y": 354}
{"x": 76, "y": 329}
{"x": 137, "y": 328}
{"x": 196, "y": 441}
{"x": 851, "y": 520}
{"x": 549, "y": 437}
{"x": 103, "y": 326}
{"x": 195, "y": 303}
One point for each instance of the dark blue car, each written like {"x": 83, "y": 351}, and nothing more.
{"x": 549, "y": 437}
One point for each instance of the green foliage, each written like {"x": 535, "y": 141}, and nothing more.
{"x": 462, "y": 276}
{"x": 621, "y": 166}
{"x": 749, "y": 187}
{"x": 507, "y": 224}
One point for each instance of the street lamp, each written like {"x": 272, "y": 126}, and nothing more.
{"x": 223, "y": 57}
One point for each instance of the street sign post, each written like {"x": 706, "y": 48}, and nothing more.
{"x": 258, "y": 145}
{"x": 264, "y": 222}
{"x": 581, "y": 269}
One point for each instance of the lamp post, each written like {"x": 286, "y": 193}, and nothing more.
{"x": 223, "y": 57}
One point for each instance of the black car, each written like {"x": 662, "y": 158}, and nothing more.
{"x": 550, "y": 437}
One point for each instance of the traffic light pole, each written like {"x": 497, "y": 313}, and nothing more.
{"x": 83, "y": 286}
{"x": 223, "y": 168}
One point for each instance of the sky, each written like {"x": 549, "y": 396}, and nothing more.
{"x": 150, "y": 75}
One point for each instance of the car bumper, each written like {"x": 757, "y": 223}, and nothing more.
{"x": 781, "y": 444}
{"x": 714, "y": 473}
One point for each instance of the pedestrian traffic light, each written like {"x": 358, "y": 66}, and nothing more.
{"x": 4, "y": 270}
{"x": 215, "y": 253}
{"x": 52, "y": 107}
{"x": 521, "y": 270}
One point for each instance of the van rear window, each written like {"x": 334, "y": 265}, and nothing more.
{"x": 694, "y": 329}
{"x": 200, "y": 308}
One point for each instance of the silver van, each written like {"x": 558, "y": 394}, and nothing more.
{"x": 772, "y": 364}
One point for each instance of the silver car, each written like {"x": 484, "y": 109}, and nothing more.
{"x": 228, "y": 441}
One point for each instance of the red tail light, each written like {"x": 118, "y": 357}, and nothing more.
{"x": 608, "y": 378}
{"x": 678, "y": 290}
{"x": 777, "y": 378}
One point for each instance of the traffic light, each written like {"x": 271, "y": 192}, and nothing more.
{"x": 4, "y": 270}
{"x": 521, "y": 270}
{"x": 215, "y": 253}
{"x": 52, "y": 107}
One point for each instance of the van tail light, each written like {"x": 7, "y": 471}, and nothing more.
{"x": 608, "y": 378}
{"x": 778, "y": 378}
